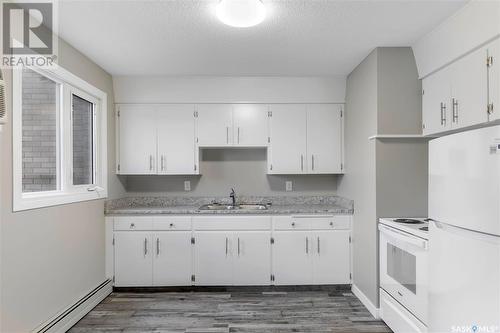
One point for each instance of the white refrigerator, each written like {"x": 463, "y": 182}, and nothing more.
{"x": 464, "y": 237}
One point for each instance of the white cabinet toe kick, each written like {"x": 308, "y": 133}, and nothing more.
{"x": 225, "y": 250}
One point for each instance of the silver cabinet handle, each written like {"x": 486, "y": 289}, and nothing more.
{"x": 226, "y": 245}
{"x": 307, "y": 245}
{"x": 238, "y": 246}
{"x": 302, "y": 162}
{"x": 455, "y": 110}
{"x": 151, "y": 162}
{"x": 227, "y": 134}
{"x": 443, "y": 114}
{"x": 163, "y": 162}
{"x": 312, "y": 161}
{"x": 158, "y": 246}
{"x": 145, "y": 247}
{"x": 238, "y": 135}
{"x": 319, "y": 248}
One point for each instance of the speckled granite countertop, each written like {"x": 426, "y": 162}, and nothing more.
{"x": 284, "y": 205}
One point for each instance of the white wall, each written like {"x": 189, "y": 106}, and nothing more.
{"x": 474, "y": 25}
{"x": 229, "y": 89}
{"x": 53, "y": 256}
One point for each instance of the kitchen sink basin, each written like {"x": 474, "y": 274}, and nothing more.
{"x": 216, "y": 206}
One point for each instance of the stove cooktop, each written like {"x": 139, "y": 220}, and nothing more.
{"x": 415, "y": 226}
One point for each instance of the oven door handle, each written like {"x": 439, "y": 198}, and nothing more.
{"x": 403, "y": 237}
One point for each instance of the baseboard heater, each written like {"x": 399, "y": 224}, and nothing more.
{"x": 66, "y": 319}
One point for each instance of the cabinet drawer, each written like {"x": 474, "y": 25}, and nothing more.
{"x": 312, "y": 223}
{"x": 133, "y": 223}
{"x": 291, "y": 223}
{"x": 232, "y": 223}
{"x": 179, "y": 223}
{"x": 330, "y": 223}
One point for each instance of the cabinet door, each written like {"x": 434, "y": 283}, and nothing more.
{"x": 252, "y": 258}
{"x": 176, "y": 140}
{"x": 324, "y": 138}
{"x": 292, "y": 257}
{"x": 332, "y": 257}
{"x": 213, "y": 258}
{"x": 133, "y": 259}
{"x": 494, "y": 80}
{"x": 137, "y": 144}
{"x": 470, "y": 90}
{"x": 287, "y": 150}
{"x": 215, "y": 125}
{"x": 436, "y": 102}
{"x": 172, "y": 263}
{"x": 250, "y": 125}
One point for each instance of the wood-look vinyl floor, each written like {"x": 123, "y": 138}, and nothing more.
{"x": 335, "y": 310}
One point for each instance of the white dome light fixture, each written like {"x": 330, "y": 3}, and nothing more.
{"x": 241, "y": 13}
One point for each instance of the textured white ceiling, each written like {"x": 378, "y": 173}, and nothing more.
{"x": 298, "y": 38}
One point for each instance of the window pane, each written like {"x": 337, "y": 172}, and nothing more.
{"x": 83, "y": 141}
{"x": 39, "y": 123}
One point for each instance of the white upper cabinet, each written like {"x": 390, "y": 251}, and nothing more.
{"x": 156, "y": 140}
{"x": 165, "y": 139}
{"x": 288, "y": 149}
{"x": 137, "y": 144}
{"x": 324, "y": 138}
{"x": 494, "y": 80}
{"x": 250, "y": 125}
{"x": 469, "y": 84}
{"x": 214, "y": 125}
{"x": 176, "y": 136}
{"x": 461, "y": 94}
{"x": 305, "y": 139}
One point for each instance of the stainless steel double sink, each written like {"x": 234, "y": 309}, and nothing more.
{"x": 217, "y": 206}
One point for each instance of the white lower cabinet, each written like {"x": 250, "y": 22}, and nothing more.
{"x": 252, "y": 258}
{"x": 331, "y": 257}
{"x": 172, "y": 258}
{"x": 312, "y": 250}
{"x": 231, "y": 250}
{"x": 292, "y": 263}
{"x": 133, "y": 259}
{"x": 213, "y": 258}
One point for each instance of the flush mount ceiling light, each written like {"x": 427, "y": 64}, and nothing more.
{"x": 241, "y": 13}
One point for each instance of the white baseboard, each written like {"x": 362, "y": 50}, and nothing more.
{"x": 366, "y": 302}
{"x": 73, "y": 313}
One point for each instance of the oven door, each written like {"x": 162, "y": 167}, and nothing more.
{"x": 403, "y": 269}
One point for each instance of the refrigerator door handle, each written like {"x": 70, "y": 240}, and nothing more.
{"x": 481, "y": 236}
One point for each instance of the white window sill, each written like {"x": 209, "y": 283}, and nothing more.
{"x": 49, "y": 199}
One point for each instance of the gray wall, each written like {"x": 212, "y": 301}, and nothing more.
{"x": 385, "y": 178}
{"x": 51, "y": 257}
{"x": 223, "y": 169}
{"x": 359, "y": 183}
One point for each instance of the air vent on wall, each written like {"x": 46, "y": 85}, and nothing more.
{"x": 3, "y": 107}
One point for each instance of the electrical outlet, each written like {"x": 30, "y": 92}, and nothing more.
{"x": 187, "y": 186}
{"x": 288, "y": 186}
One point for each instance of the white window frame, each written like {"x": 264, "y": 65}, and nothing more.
{"x": 66, "y": 193}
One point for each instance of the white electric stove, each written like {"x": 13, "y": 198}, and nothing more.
{"x": 403, "y": 273}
